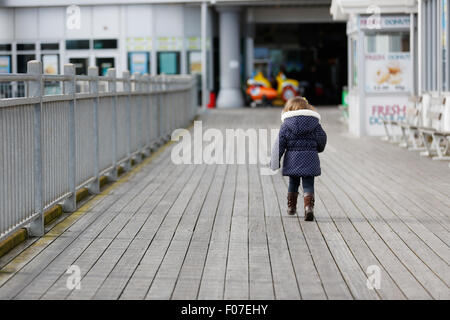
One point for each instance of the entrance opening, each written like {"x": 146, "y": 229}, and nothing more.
{"x": 315, "y": 54}
{"x": 104, "y": 64}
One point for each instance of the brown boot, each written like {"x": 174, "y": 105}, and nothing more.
{"x": 308, "y": 199}
{"x": 292, "y": 203}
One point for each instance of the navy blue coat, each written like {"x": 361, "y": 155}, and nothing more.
{"x": 300, "y": 139}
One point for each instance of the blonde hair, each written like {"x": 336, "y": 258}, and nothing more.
{"x": 297, "y": 103}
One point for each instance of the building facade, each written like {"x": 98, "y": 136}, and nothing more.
{"x": 156, "y": 36}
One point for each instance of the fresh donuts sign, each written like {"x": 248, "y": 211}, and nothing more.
{"x": 388, "y": 72}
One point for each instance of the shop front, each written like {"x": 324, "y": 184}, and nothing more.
{"x": 381, "y": 71}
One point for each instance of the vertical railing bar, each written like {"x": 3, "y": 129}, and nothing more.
{"x": 70, "y": 204}
{"x": 127, "y": 88}
{"x": 35, "y": 90}
{"x": 138, "y": 107}
{"x": 94, "y": 187}
{"x": 112, "y": 176}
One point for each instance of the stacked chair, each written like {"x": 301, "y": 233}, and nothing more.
{"x": 426, "y": 127}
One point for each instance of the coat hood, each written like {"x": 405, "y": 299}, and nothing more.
{"x": 301, "y": 121}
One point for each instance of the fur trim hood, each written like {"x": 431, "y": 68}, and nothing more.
{"x": 302, "y": 112}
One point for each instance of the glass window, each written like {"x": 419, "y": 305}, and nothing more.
{"x": 50, "y": 63}
{"x": 139, "y": 62}
{"x": 195, "y": 62}
{"x": 49, "y": 46}
{"x": 168, "y": 62}
{"x": 105, "y": 44}
{"x": 22, "y": 60}
{"x": 25, "y": 46}
{"x": 5, "y": 47}
{"x": 81, "y": 65}
{"x": 104, "y": 64}
{"x": 77, "y": 44}
{"x": 385, "y": 42}
{"x": 5, "y": 64}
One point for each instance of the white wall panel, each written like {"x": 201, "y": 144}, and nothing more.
{"x": 192, "y": 21}
{"x": 138, "y": 21}
{"x": 25, "y": 23}
{"x": 52, "y": 22}
{"x": 6, "y": 24}
{"x": 169, "y": 20}
{"x": 106, "y": 21}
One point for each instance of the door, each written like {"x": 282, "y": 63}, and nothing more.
{"x": 104, "y": 64}
{"x": 81, "y": 65}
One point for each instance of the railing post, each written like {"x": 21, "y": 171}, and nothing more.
{"x": 138, "y": 107}
{"x": 70, "y": 204}
{"x": 154, "y": 113}
{"x": 146, "y": 92}
{"x": 35, "y": 90}
{"x": 127, "y": 88}
{"x": 111, "y": 73}
{"x": 166, "y": 109}
{"x": 94, "y": 187}
{"x": 161, "y": 125}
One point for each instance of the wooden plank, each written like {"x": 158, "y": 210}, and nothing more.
{"x": 284, "y": 277}
{"x": 165, "y": 280}
{"x": 426, "y": 245}
{"x": 212, "y": 284}
{"x": 71, "y": 227}
{"x": 236, "y": 276}
{"x": 309, "y": 281}
{"x": 260, "y": 270}
{"x": 160, "y": 231}
{"x": 188, "y": 282}
{"x": 373, "y": 164}
{"x": 404, "y": 254}
{"x": 328, "y": 208}
{"x": 58, "y": 290}
{"x": 395, "y": 198}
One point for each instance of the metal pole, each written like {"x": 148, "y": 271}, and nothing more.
{"x": 439, "y": 46}
{"x": 148, "y": 106}
{"x": 411, "y": 51}
{"x": 420, "y": 48}
{"x": 139, "y": 104}
{"x": 35, "y": 90}
{"x": 112, "y": 176}
{"x": 95, "y": 185}
{"x": 70, "y": 204}
{"x": 127, "y": 88}
{"x": 204, "y": 21}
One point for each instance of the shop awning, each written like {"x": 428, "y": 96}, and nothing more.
{"x": 341, "y": 9}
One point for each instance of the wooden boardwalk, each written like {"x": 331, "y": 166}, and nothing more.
{"x": 171, "y": 231}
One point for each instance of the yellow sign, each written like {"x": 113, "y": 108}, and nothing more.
{"x": 170, "y": 43}
{"x": 139, "y": 44}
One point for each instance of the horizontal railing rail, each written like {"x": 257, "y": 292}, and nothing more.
{"x": 55, "y": 142}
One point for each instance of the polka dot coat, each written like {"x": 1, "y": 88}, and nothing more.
{"x": 300, "y": 139}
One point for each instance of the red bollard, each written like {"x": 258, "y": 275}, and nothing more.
{"x": 212, "y": 100}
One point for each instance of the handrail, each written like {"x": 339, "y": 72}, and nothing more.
{"x": 51, "y": 145}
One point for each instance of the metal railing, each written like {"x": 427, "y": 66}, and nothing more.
{"x": 51, "y": 145}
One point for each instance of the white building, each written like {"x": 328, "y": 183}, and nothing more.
{"x": 157, "y": 36}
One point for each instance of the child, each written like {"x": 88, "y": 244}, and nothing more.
{"x": 301, "y": 138}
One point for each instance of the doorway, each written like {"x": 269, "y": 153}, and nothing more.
{"x": 104, "y": 64}
{"x": 315, "y": 54}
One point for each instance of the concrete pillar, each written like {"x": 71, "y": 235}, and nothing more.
{"x": 230, "y": 94}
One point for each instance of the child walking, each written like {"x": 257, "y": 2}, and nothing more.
{"x": 301, "y": 138}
